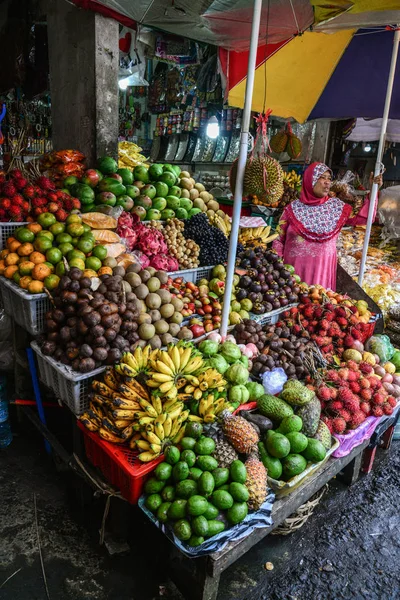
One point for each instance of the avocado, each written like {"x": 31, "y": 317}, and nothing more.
{"x": 215, "y": 527}
{"x": 278, "y": 445}
{"x": 153, "y": 486}
{"x": 206, "y": 484}
{"x": 298, "y": 442}
{"x": 197, "y": 505}
{"x": 189, "y": 457}
{"x": 237, "y": 513}
{"x": 153, "y": 502}
{"x": 221, "y": 476}
{"x": 211, "y": 511}
{"x": 162, "y": 512}
{"x": 274, "y": 408}
{"x": 273, "y": 465}
{"x": 315, "y": 451}
{"x": 293, "y": 465}
{"x": 222, "y": 499}
{"x": 206, "y": 463}
{"x": 182, "y": 530}
{"x": 186, "y": 489}
{"x": 180, "y": 471}
{"x": 238, "y": 471}
{"x": 289, "y": 424}
{"x": 200, "y": 525}
{"x": 168, "y": 493}
{"x": 204, "y": 446}
{"x": 238, "y": 491}
{"x": 177, "y": 510}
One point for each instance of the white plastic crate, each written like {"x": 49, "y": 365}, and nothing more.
{"x": 272, "y": 317}
{"x": 28, "y": 310}
{"x": 69, "y": 386}
{"x": 6, "y": 231}
{"x": 193, "y": 275}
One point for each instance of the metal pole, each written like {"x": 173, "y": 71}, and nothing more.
{"x": 243, "y": 150}
{"x": 379, "y": 156}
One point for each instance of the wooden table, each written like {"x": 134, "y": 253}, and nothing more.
{"x": 198, "y": 578}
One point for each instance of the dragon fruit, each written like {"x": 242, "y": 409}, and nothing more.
{"x": 164, "y": 262}
{"x": 152, "y": 242}
{"x": 142, "y": 259}
{"x": 125, "y": 229}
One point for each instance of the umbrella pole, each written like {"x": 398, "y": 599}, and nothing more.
{"x": 243, "y": 151}
{"x": 379, "y": 156}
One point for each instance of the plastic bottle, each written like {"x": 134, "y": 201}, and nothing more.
{"x": 5, "y": 430}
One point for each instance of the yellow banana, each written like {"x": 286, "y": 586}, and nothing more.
{"x": 152, "y": 384}
{"x": 151, "y": 437}
{"x": 195, "y": 419}
{"x": 203, "y": 386}
{"x": 125, "y": 370}
{"x": 170, "y": 404}
{"x": 189, "y": 389}
{"x": 111, "y": 379}
{"x": 180, "y": 383}
{"x": 184, "y": 397}
{"x": 178, "y": 437}
{"x": 129, "y": 359}
{"x": 159, "y": 431}
{"x": 122, "y": 413}
{"x": 175, "y": 357}
{"x": 209, "y": 418}
{"x": 193, "y": 365}
{"x": 88, "y": 423}
{"x": 121, "y": 402}
{"x": 137, "y": 387}
{"x": 149, "y": 408}
{"x": 172, "y": 394}
{"x": 143, "y": 444}
{"x": 163, "y": 368}
{"x": 162, "y": 377}
{"x": 146, "y": 456}
{"x": 128, "y": 432}
{"x": 203, "y": 407}
{"x": 185, "y": 357}
{"x": 128, "y": 392}
{"x": 102, "y": 388}
{"x": 176, "y": 425}
{"x": 157, "y": 404}
{"x": 176, "y": 412}
{"x": 156, "y": 448}
{"x": 145, "y": 356}
{"x": 161, "y": 418}
{"x": 167, "y": 427}
{"x": 110, "y": 437}
{"x": 193, "y": 380}
{"x": 197, "y": 394}
{"x": 145, "y": 421}
{"x": 167, "y": 387}
{"x": 122, "y": 423}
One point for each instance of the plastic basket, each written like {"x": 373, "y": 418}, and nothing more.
{"x": 271, "y": 317}
{"x": 28, "y": 310}
{"x": 119, "y": 465}
{"x": 6, "y": 231}
{"x": 69, "y": 386}
{"x": 193, "y": 275}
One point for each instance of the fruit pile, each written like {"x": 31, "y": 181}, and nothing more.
{"x": 333, "y": 327}
{"x": 268, "y": 282}
{"x": 22, "y": 201}
{"x": 197, "y": 497}
{"x": 123, "y": 410}
{"x": 40, "y": 253}
{"x": 60, "y": 164}
{"x": 186, "y": 251}
{"x": 296, "y": 435}
{"x": 277, "y": 347}
{"x": 87, "y": 328}
{"x": 355, "y": 391}
{"x": 213, "y": 244}
{"x": 251, "y": 237}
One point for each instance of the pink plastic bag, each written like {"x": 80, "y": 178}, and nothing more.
{"x": 356, "y": 437}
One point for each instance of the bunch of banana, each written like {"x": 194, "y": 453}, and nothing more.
{"x": 222, "y": 222}
{"x": 173, "y": 368}
{"x": 166, "y": 431}
{"x": 256, "y": 236}
{"x": 208, "y": 409}
{"x": 292, "y": 179}
{"x": 138, "y": 361}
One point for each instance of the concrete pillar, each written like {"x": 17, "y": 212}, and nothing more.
{"x": 320, "y": 151}
{"x": 83, "y": 58}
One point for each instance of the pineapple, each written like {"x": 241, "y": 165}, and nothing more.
{"x": 224, "y": 453}
{"x": 256, "y": 482}
{"x": 239, "y": 433}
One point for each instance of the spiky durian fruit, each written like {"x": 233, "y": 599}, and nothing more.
{"x": 256, "y": 482}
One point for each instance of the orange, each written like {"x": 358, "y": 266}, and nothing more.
{"x": 11, "y": 259}
{"x": 10, "y": 270}
{"x": 36, "y": 287}
{"x": 16, "y": 277}
{"x": 40, "y": 272}
{"x": 26, "y": 249}
{"x": 37, "y": 258}
{"x": 26, "y": 267}
{"x": 105, "y": 271}
{"x": 2, "y": 267}
{"x": 34, "y": 227}
{"x": 51, "y": 282}
{"x": 25, "y": 281}
{"x": 13, "y": 245}
{"x": 4, "y": 253}
{"x": 89, "y": 273}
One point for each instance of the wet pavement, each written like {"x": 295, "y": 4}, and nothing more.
{"x": 349, "y": 548}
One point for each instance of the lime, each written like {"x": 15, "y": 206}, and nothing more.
{"x": 85, "y": 245}
{"x": 75, "y": 254}
{"x": 60, "y": 269}
{"x": 65, "y": 248}
{"x": 51, "y": 282}
{"x": 77, "y": 262}
{"x": 57, "y": 228}
{"x": 73, "y": 219}
{"x": 42, "y": 244}
{"x": 100, "y": 252}
{"x": 63, "y": 238}
{"x": 93, "y": 263}
{"x": 53, "y": 256}
{"x": 46, "y": 220}
{"x": 47, "y": 234}
{"x": 75, "y": 229}
{"x": 87, "y": 228}
{"x": 24, "y": 235}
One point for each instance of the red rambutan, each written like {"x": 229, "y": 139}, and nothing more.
{"x": 5, "y": 203}
{"x": 377, "y": 411}
{"x": 339, "y": 425}
{"x": 333, "y": 376}
{"x": 355, "y": 387}
{"x": 348, "y": 341}
{"x": 61, "y": 215}
{"x": 345, "y": 414}
{"x": 20, "y": 182}
{"x": 366, "y": 394}
{"x": 29, "y": 191}
{"x": 52, "y": 207}
{"x": 353, "y": 405}
{"x": 18, "y": 200}
{"x": 15, "y": 213}
{"x": 352, "y": 365}
{"x": 344, "y": 373}
{"x": 45, "y": 183}
{"x": 9, "y": 189}
{"x": 365, "y": 383}
{"x": 391, "y": 401}
{"x": 340, "y": 312}
{"x": 357, "y": 335}
{"x": 387, "y": 409}
{"x": 344, "y": 394}
{"x": 378, "y": 399}
{"x": 336, "y": 405}
{"x": 324, "y": 393}
{"x": 357, "y": 418}
{"x": 366, "y": 368}
{"x": 365, "y": 407}
{"x": 342, "y": 322}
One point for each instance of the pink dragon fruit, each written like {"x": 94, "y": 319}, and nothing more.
{"x": 164, "y": 262}
{"x": 152, "y": 242}
{"x": 126, "y": 230}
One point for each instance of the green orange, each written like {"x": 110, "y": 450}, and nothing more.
{"x": 77, "y": 262}
{"x": 75, "y": 229}
{"x": 100, "y": 252}
{"x": 46, "y": 234}
{"x": 85, "y": 245}
{"x": 26, "y": 268}
{"x": 75, "y": 254}
{"x": 73, "y": 219}
{"x": 54, "y": 255}
{"x": 60, "y": 269}
{"x": 93, "y": 263}
{"x": 51, "y": 282}
{"x": 65, "y": 248}
{"x": 57, "y": 228}
{"x": 63, "y": 238}
{"x": 42, "y": 244}
{"x": 46, "y": 220}
{"x": 24, "y": 235}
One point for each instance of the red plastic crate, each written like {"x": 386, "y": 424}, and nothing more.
{"x": 119, "y": 464}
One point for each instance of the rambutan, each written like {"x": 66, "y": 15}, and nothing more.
{"x": 342, "y": 322}
{"x": 365, "y": 383}
{"x": 318, "y": 312}
{"x": 365, "y": 407}
{"x": 353, "y": 405}
{"x": 15, "y": 213}
{"x": 61, "y": 215}
{"x": 20, "y": 182}
{"x": 52, "y": 197}
{"x": 329, "y": 307}
{"x": 366, "y": 368}
{"x": 377, "y": 411}
{"x": 53, "y": 207}
{"x": 344, "y": 373}
{"x": 353, "y": 376}
{"x": 340, "y": 312}
{"x": 45, "y": 183}
{"x": 355, "y": 387}
{"x": 357, "y": 335}
{"x": 18, "y": 200}
{"x": 333, "y": 376}
{"x": 352, "y": 365}
{"x": 387, "y": 409}
{"x": 357, "y": 418}
{"x": 391, "y": 401}
{"x": 308, "y": 312}
{"x": 348, "y": 341}
{"x": 9, "y": 189}
{"x": 378, "y": 399}
{"x": 344, "y": 394}
{"x": 366, "y": 394}
{"x": 324, "y": 393}
{"x": 5, "y": 203}
{"x": 339, "y": 425}
{"x": 345, "y": 414}
{"x": 336, "y": 405}
{"x": 29, "y": 191}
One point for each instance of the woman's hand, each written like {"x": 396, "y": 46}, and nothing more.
{"x": 378, "y": 180}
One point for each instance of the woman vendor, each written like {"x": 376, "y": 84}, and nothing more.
{"x": 310, "y": 226}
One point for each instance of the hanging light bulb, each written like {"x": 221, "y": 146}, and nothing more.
{"x": 212, "y": 127}
{"x": 367, "y": 148}
{"x": 123, "y": 83}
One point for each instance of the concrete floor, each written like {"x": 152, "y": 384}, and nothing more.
{"x": 349, "y": 549}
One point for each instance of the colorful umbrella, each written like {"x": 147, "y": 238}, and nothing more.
{"x": 318, "y": 75}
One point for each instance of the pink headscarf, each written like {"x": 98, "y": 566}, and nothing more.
{"x": 317, "y": 219}
{"x": 310, "y": 178}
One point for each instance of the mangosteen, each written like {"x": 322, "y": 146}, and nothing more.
{"x": 255, "y": 287}
{"x": 245, "y": 281}
{"x": 241, "y": 294}
{"x": 261, "y": 277}
{"x": 268, "y": 307}
{"x": 281, "y": 282}
{"x": 269, "y": 296}
{"x": 276, "y": 304}
{"x": 292, "y": 298}
{"x": 276, "y": 274}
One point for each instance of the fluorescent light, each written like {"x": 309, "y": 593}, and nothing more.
{"x": 123, "y": 83}
{"x": 212, "y": 128}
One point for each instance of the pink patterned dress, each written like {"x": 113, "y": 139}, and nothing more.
{"x": 313, "y": 254}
